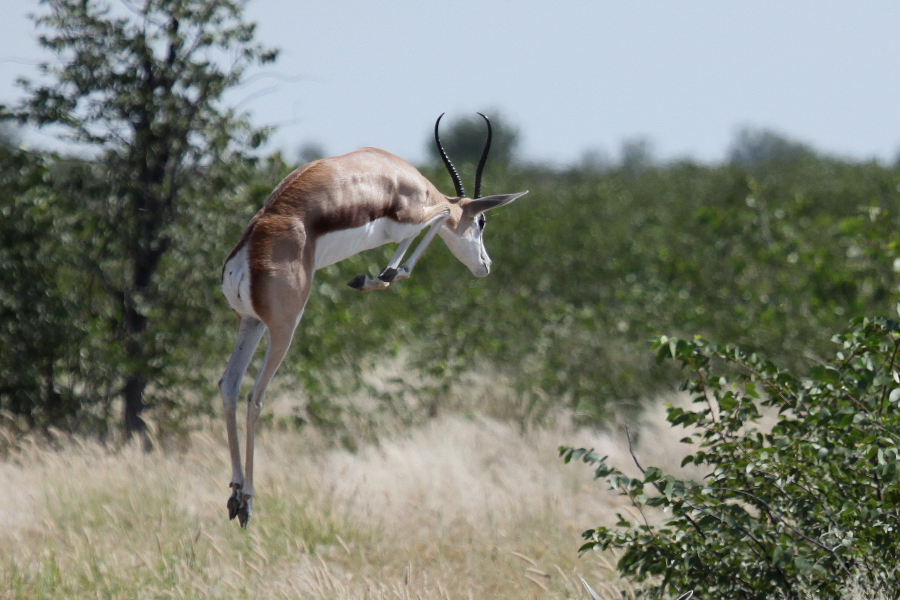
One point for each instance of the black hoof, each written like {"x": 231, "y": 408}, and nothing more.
{"x": 388, "y": 275}
{"x": 357, "y": 282}
{"x": 244, "y": 516}
{"x": 233, "y": 508}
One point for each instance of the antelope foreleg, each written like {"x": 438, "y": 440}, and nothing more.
{"x": 366, "y": 284}
{"x": 406, "y": 270}
{"x": 393, "y": 272}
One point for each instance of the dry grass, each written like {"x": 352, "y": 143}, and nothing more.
{"x": 460, "y": 507}
{"x": 455, "y": 508}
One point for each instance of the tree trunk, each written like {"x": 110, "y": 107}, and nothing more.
{"x": 135, "y": 382}
{"x": 134, "y": 405}
{"x": 146, "y": 262}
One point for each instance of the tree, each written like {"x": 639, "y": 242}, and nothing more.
{"x": 140, "y": 85}
{"x": 637, "y": 155}
{"x": 35, "y": 338}
{"x": 803, "y": 508}
{"x": 463, "y": 139}
{"x": 9, "y": 137}
{"x": 757, "y": 148}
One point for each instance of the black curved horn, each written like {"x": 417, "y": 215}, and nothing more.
{"x": 484, "y": 155}
{"x": 457, "y": 182}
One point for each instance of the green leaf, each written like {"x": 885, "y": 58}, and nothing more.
{"x": 803, "y": 565}
{"x": 894, "y": 396}
{"x": 652, "y": 474}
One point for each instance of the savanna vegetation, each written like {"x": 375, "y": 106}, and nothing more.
{"x": 771, "y": 252}
{"x": 795, "y": 508}
{"x": 111, "y": 318}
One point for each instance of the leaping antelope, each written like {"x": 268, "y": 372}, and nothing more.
{"x": 318, "y": 215}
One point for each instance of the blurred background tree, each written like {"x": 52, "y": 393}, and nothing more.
{"x": 757, "y": 148}
{"x": 9, "y": 135}
{"x": 37, "y": 340}
{"x": 636, "y": 155}
{"x": 463, "y": 138}
{"x": 110, "y": 257}
{"x": 137, "y": 91}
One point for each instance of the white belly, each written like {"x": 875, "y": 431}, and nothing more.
{"x": 236, "y": 284}
{"x": 336, "y": 246}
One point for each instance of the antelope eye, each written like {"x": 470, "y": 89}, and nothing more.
{"x": 481, "y": 221}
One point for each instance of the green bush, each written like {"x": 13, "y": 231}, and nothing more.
{"x": 39, "y": 334}
{"x": 593, "y": 263}
{"x": 802, "y": 510}
{"x": 587, "y": 267}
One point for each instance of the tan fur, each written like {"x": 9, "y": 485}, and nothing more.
{"x": 329, "y": 195}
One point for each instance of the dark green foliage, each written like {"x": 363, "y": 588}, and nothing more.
{"x": 766, "y": 252}
{"x": 590, "y": 265}
{"x": 62, "y": 361}
{"x": 38, "y": 342}
{"x": 798, "y": 511}
{"x": 138, "y": 85}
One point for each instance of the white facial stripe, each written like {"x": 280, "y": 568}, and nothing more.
{"x": 334, "y": 247}
{"x": 468, "y": 248}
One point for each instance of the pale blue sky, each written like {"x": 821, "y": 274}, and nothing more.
{"x": 574, "y": 76}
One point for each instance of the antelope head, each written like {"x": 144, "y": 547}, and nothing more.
{"x": 464, "y": 230}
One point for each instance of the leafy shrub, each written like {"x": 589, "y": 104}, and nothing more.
{"x": 765, "y": 252}
{"x": 38, "y": 342}
{"x": 794, "y": 512}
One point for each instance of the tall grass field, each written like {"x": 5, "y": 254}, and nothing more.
{"x": 456, "y": 507}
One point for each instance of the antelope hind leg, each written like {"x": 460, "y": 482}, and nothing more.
{"x": 250, "y": 331}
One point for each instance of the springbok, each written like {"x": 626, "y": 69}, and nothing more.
{"x": 318, "y": 215}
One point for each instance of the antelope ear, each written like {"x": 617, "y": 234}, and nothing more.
{"x": 478, "y": 206}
